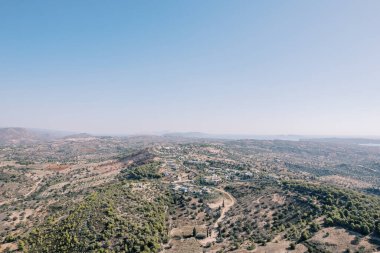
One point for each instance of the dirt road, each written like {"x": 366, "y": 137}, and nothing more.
{"x": 25, "y": 195}
{"x": 229, "y": 201}
{"x": 34, "y": 188}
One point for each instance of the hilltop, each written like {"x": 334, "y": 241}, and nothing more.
{"x": 18, "y": 135}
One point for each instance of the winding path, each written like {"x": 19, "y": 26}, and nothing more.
{"x": 25, "y": 195}
{"x": 229, "y": 201}
{"x": 34, "y": 188}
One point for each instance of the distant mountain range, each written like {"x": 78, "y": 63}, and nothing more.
{"x": 19, "y": 135}
{"x": 200, "y": 135}
{"x": 359, "y": 141}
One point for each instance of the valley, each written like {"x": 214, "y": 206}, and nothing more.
{"x": 171, "y": 194}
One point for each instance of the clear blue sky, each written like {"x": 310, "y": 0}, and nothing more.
{"x": 252, "y": 67}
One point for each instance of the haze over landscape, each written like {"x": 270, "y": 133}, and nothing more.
{"x": 226, "y": 67}
{"x": 189, "y": 126}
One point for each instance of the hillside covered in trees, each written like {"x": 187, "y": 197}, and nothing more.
{"x": 114, "y": 218}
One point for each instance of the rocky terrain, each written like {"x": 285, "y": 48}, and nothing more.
{"x": 82, "y": 193}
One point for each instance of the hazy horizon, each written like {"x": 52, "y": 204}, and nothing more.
{"x": 196, "y": 134}
{"x": 216, "y": 67}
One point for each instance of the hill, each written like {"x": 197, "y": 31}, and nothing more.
{"x": 18, "y": 135}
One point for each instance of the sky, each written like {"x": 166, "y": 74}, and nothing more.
{"x": 215, "y": 66}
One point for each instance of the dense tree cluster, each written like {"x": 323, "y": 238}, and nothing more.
{"x": 113, "y": 219}
{"x": 347, "y": 208}
{"x": 227, "y": 165}
{"x": 200, "y": 166}
{"x": 148, "y": 171}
